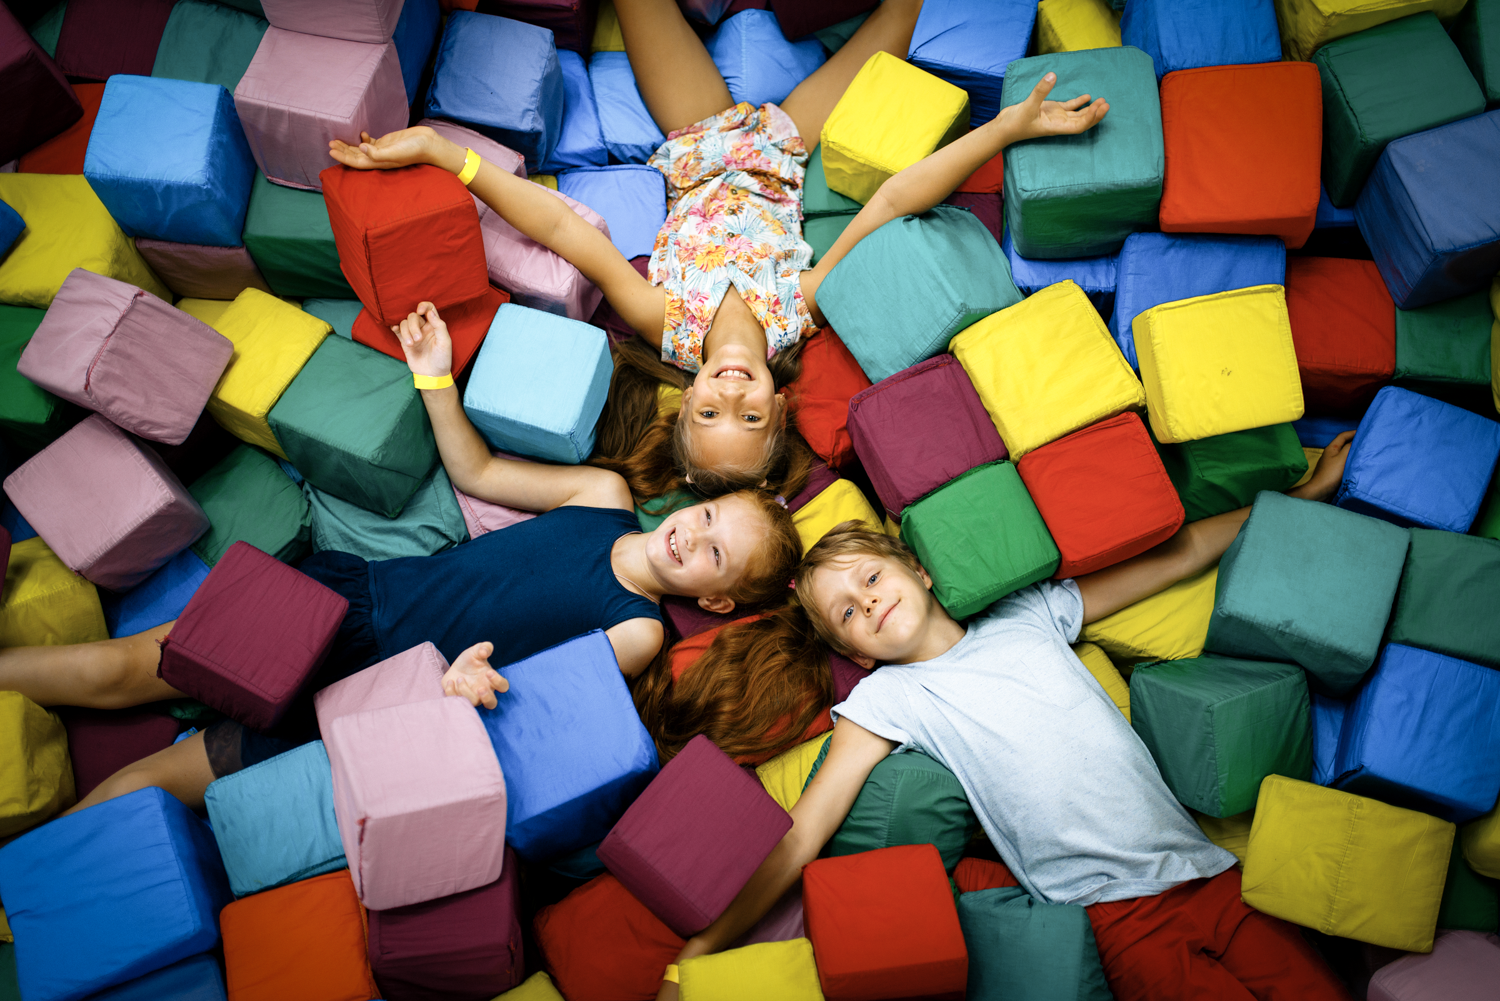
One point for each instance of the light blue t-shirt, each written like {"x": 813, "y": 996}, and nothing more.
{"x": 1068, "y": 794}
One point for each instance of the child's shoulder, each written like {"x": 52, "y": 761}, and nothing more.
{"x": 1050, "y": 604}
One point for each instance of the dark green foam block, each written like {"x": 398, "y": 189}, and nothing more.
{"x": 980, "y": 537}
{"x": 208, "y": 43}
{"x": 1487, "y": 525}
{"x": 1477, "y": 33}
{"x": 653, "y": 512}
{"x": 822, "y": 232}
{"x": 248, "y": 497}
{"x": 291, "y": 240}
{"x": 1225, "y": 472}
{"x": 1448, "y": 342}
{"x": 1217, "y": 726}
{"x": 1469, "y": 900}
{"x": 337, "y": 313}
{"x": 29, "y": 415}
{"x": 1449, "y": 599}
{"x": 431, "y": 522}
{"x": 46, "y": 31}
{"x": 1308, "y": 583}
{"x": 1383, "y": 83}
{"x": 355, "y": 426}
{"x": 818, "y": 199}
{"x": 10, "y": 987}
{"x": 1020, "y": 947}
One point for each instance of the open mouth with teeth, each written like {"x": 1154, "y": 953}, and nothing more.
{"x": 734, "y": 372}
{"x": 672, "y": 546}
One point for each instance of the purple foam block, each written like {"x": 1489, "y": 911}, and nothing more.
{"x": 195, "y": 272}
{"x": 351, "y": 20}
{"x": 38, "y": 103}
{"x": 100, "y": 38}
{"x": 1463, "y": 966}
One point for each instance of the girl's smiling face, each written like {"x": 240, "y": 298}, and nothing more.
{"x": 731, "y": 408}
{"x": 701, "y": 551}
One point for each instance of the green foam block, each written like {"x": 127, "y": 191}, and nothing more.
{"x": 1443, "y": 351}
{"x": 248, "y": 497}
{"x": 431, "y": 522}
{"x": 208, "y": 43}
{"x": 29, "y": 415}
{"x": 818, "y": 199}
{"x": 1449, "y": 599}
{"x": 1226, "y": 471}
{"x": 289, "y": 237}
{"x": 1469, "y": 899}
{"x": 1477, "y": 33}
{"x": 1021, "y": 948}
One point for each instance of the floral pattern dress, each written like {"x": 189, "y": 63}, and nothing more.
{"x": 734, "y": 217}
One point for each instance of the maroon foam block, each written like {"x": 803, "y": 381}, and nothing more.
{"x": 571, "y": 21}
{"x": 986, "y": 207}
{"x": 100, "y": 38}
{"x": 803, "y": 17}
{"x": 102, "y": 741}
{"x": 251, "y": 636}
{"x": 36, "y": 101}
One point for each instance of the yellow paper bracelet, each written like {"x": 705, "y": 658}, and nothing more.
{"x": 671, "y": 974}
{"x": 471, "y": 166}
{"x": 432, "y": 381}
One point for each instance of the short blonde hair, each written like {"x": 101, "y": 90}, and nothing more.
{"x": 849, "y": 538}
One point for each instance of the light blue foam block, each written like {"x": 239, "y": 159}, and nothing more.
{"x": 757, "y": 62}
{"x": 581, "y": 143}
{"x": 630, "y": 197}
{"x": 630, "y": 133}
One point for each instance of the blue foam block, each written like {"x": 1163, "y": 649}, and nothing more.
{"x": 1318, "y": 432}
{"x": 581, "y": 143}
{"x": 1423, "y": 733}
{"x": 630, "y": 133}
{"x": 500, "y": 77}
{"x": 969, "y": 45}
{"x": 194, "y": 979}
{"x": 571, "y": 746}
{"x": 1419, "y": 461}
{"x": 523, "y": 401}
{"x": 631, "y": 198}
{"x": 11, "y": 226}
{"x": 169, "y": 159}
{"x": 1182, "y": 34}
{"x": 1330, "y": 216}
{"x": 157, "y": 599}
{"x": 1095, "y": 275}
{"x": 1154, "y": 268}
{"x": 111, "y": 893}
{"x": 1430, "y": 211}
{"x": 416, "y": 31}
{"x": 1327, "y": 722}
{"x": 757, "y": 62}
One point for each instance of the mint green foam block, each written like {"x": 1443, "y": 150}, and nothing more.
{"x": 249, "y": 498}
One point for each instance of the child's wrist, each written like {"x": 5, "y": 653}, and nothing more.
{"x": 445, "y": 153}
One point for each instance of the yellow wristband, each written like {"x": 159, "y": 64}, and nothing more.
{"x": 432, "y": 381}
{"x": 471, "y": 166}
{"x": 671, "y": 974}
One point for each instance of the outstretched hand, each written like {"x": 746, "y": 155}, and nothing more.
{"x": 425, "y": 341}
{"x": 392, "y": 150}
{"x": 1329, "y": 473}
{"x": 472, "y": 678}
{"x": 1036, "y": 116}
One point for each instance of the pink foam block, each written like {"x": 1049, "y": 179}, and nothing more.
{"x": 109, "y": 507}
{"x": 1463, "y": 966}
{"x": 353, "y": 20}
{"x": 419, "y": 799}
{"x": 195, "y": 272}
{"x": 108, "y": 346}
{"x": 481, "y": 516}
{"x": 414, "y": 675}
{"x": 303, "y": 90}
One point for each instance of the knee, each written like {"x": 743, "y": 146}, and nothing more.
{"x": 112, "y": 680}
{"x": 131, "y": 778}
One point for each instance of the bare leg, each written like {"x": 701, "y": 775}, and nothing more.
{"x": 678, "y": 81}
{"x": 181, "y": 770}
{"x": 887, "y": 29}
{"x": 108, "y": 674}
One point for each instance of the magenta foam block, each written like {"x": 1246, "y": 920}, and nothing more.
{"x": 351, "y": 20}
{"x": 1463, "y": 966}
{"x": 107, "y": 506}
{"x": 121, "y": 352}
{"x": 196, "y": 272}
{"x": 100, "y": 38}
{"x": 694, "y": 837}
{"x": 251, "y": 636}
{"x": 102, "y": 741}
{"x": 414, "y": 675}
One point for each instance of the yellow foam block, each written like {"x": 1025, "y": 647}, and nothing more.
{"x": 607, "y": 34}
{"x": 45, "y": 603}
{"x": 1346, "y": 865}
{"x": 892, "y": 527}
{"x": 545, "y": 180}
{"x": 1482, "y": 844}
{"x": 6, "y": 935}
{"x": 1070, "y": 25}
{"x": 1169, "y": 625}
{"x": 1307, "y": 24}
{"x": 840, "y": 501}
{"x": 1046, "y": 367}
{"x": 781, "y": 970}
{"x": 1230, "y": 833}
{"x": 891, "y": 116}
{"x": 1104, "y": 671}
{"x": 272, "y": 341}
{"x": 67, "y": 227}
{"x": 538, "y": 987}
{"x": 1218, "y": 363}
{"x": 668, "y": 398}
{"x": 36, "y": 776}
{"x": 786, "y": 774}
{"x": 207, "y": 310}
{"x": 1312, "y": 455}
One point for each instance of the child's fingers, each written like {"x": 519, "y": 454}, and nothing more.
{"x": 1043, "y": 87}
{"x": 1076, "y": 103}
{"x": 1340, "y": 443}
{"x": 498, "y": 682}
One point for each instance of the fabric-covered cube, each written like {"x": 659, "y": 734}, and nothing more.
{"x": 820, "y": 396}
{"x": 891, "y": 115}
{"x": 571, "y": 21}
{"x": 303, "y": 90}
{"x": 630, "y": 133}
{"x": 1444, "y": 349}
{"x": 1218, "y": 726}
{"x": 156, "y": 600}
{"x": 1327, "y": 723}
{"x": 138, "y": 877}
{"x": 580, "y": 140}
{"x": 1477, "y": 33}
{"x": 274, "y": 821}
{"x": 1329, "y": 615}
{"x": 251, "y": 636}
{"x": 786, "y": 775}
{"x": 44, "y": 603}
{"x": 1103, "y": 493}
{"x": 249, "y": 498}
{"x": 631, "y": 198}
{"x": 919, "y": 429}
{"x": 149, "y": 518}
{"x": 883, "y": 924}
{"x": 1306, "y": 27}
{"x": 842, "y": 501}
{"x": 1046, "y": 367}
{"x": 415, "y": 36}
{"x": 1446, "y": 598}
{"x": 208, "y": 43}
{"x": 1080, "y": 196}
{"x": 1218, "y": 363}
{"x": 1065, "y": 25}
{"x": 1170, "y": 625}
{"x": 30, "y": 417}
{"x": 1344, "y": 331}
{"x": 980, "y": 537}
{"x": 784, "y": 970}
{"x": 43, "y": 104}
{"x": 757, "y": 62}
{"x": 199, "y": 272}
{"x": 1253, "y": 168}
{"x": 522, "y": 401}
{"x": 196, "y": 977}
{"x": 970, "y": 45}
{"x": 11, "y": 227}
{"x": 36, "y": 777}
{"x": 1462, "y": 964}
{"x": 430, "y": 522}
{"x": 64, "y": 153}
{"x": 821, "y": 17}
{"x": 414, "y": 675}
{"x": 1346, "y": 865}
{"x": 573, "y": 749}
{"x": 289, "y": 237}
{"x": 354, "y": 20}
{"x": 1095, "y": 275}
{"x": 1419, "y": 461}
{"x": 100, "y": 38}
{"x": 602, "y": 944}
{"x": 1179, "y": 37}
{"x": 1093, "y": 657}
{"x": 1021, "y": 947}
{"x": 1225, "y": 472}
{"x": 127, "y": 355}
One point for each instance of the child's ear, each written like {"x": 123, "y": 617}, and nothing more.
{"x": 926, "y": 580}
{"x": 868, "y": 663}
{"x": 718, "y": 605}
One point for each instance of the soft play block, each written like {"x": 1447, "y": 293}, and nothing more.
{"x": 1381, "y": 84}
{"x": 571, "y": 21}
{"x": 1218, "y": 363}
{"x": 517, "y": 101}
{"x": 1255, "y": 168}
{"x": 784, "y": 970}
{"x": 950, "y": 274}
{"x": 67, "y": 227}
{"x": 102, "y": 741}
{"x": 1103, "y": 493}
{"x": 1095, "y": 275}
{"x": 757, "y": 62}
{"x": 101, "y": 38}
{"x": 30, "y": 417}
{"x": 820, "y": 396}
{"x": 1180, "y": 36}
{"x": 521, "y": 401}
{"x": 36, "y": 777}
{"x": 1021, "y": 947}
{"x": 353, "y": 20}
{"x": 1307, "y": 26}
{"x": 602, "y": 944}
{"x": 64, "y": 153}
{"x": 572, "y": 747}
{"x": 1327, "y": 723}
{"x": 891, "y": 115}
{"x": 354, "y": 87}
{"x": 430, "y": 522}
{"x": 337, "y": 313}
{"x": 580, "y": 140}
{"x": 1225, "y": 472}
{"x": 414, "y": 675}
{"x": 110, "y": 893}
{"x": 969, "y": 45}
{"x": 631, "y": 198}
{"x": 274, "y": 821}
{"x": 1462, "y": 966}
{"x": 1170, "y": 625}
{"x": 251, "y": 636}
{"x": 44, "y": 603}
{"x": 272, "y": 341}
{"x": 1047, "y": 367}
{"x": 1418, "y": 461}
{"x": 1080, "y": 196}
{"x": 199, "y": 272}
{"x": 688, "y": 873}
{"x": 354, "y": 426}
{"x": 980, "y": 537}
{"x": 1093, "y": 657}
{"x": 42, "y": 103}
{"x": 249, "y": 498}
{"x": 822, "y": 232}
{"x": 196, "y": 978}
{"x": 630, "y": 134}
{"x": 1445, "y": 348}
{"x": 1346, "y": 865}
{"x": 208, "y": 43}
{"x": 123, "y": 353}
{"x": 1218, "y": 726}
{"x": 302, "y": 940}
{"x": 288, "y": 235}
{"x": 150, "y": 516}
{"x": 1446, "y": 596}
{"x": 416, "y": 34}
{"x": 1477, "y": 33}
{"x": 482, "y": 516}
{"x": 1329, "y": 615}
{"x": 1469, "y": 900}
{"x": 787, "y": 774}
{"x": 158, "y": 599}
{"x": 920, "y": 428}
{"x": 842, "y": 501}
{"x": 1389, "y": 749}
{"x": 11, "y": 227}
{"x": 169, "y": 160}
{"x": 806, "y": 17}
{"x": 818, "y": 199}
{"x": 1343, "y": 329}
{"x": 1066, "y": 25}
{"x": 883, "y": 924}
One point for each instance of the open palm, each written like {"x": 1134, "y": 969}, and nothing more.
{"x": 1036, "y": 116}
{"x": 392, "y": 150}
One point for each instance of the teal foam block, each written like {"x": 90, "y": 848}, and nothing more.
{"x": 431, "y": 522}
